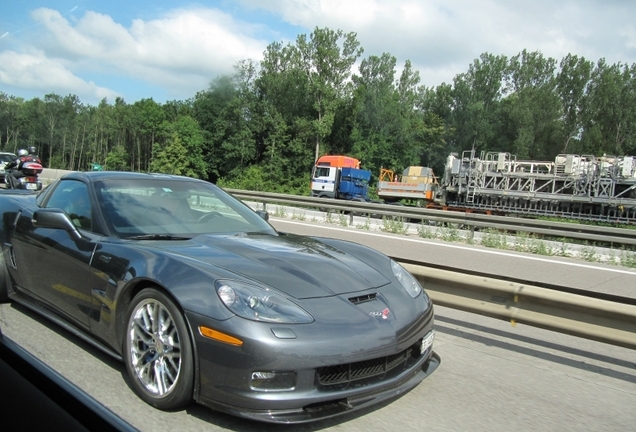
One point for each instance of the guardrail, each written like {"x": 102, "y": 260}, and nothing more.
{"x": 578, "y": 315}
{"x": 618, "y": 236}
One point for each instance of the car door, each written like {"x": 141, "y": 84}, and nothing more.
{"x": 55, "y": 266}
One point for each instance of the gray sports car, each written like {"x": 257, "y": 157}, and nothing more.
{"x": 204, "y": 300}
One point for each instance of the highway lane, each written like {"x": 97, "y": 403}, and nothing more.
{"x": 494, "y": 376}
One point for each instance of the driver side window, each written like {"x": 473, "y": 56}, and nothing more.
{"x": 72, "y": 197}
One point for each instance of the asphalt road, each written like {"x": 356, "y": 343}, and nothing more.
{"x": 493, "y": 376}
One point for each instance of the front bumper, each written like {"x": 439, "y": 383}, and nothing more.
{"x": 337, "y": 405}
{"x": 224, "y": 371}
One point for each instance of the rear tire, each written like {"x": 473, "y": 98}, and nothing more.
{"x": 158, "y": 351}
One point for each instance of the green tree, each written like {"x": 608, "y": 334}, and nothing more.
{"x": 147, "y": 117}
{"x": 376, "y": 121}
{"x": 171, "y": 158}
{"x": 326, "y": 58}
{"x": 477, "y": 95}
{"x": 12, "y": 121}
{"x": 610, "y": 122}
{"x": 573, "y": 80}
{"x": 51, "y": 113}
{"x": 117, "y": 159}
{"x": 210, "y": 111}
{"x": 534, "y": 106}
{"x": 181, "y": 151}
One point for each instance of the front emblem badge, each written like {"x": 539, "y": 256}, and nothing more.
{"x": 384, "y": 314}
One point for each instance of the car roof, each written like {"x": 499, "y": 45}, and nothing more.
{"x": 91, "y": 176}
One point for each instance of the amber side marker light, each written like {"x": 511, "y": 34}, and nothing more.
{"x": 218, "y": 336}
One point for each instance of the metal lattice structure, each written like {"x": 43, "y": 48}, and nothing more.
{"x": 572, "y": 186}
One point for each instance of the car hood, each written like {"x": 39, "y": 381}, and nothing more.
{"x": 301, "y": 267}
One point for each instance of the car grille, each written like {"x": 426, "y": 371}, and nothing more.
{"x": 346, "y": 373}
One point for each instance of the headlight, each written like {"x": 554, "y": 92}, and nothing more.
{"x": 410, "y": 284}
{"x": 259, "y": 303}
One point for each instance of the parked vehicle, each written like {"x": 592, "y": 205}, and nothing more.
{"x": 204, "y": 300}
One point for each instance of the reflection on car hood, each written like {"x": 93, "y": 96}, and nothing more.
{"x": 302, "y": 267}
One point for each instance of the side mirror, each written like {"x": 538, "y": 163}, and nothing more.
{"x": 263, "y": 214}
{"x": 55, "y": 219}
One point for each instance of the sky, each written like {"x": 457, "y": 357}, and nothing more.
{"x": 167, "y": 50}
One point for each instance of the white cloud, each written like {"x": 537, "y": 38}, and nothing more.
{"x": 181, "y": 52}
{"x": 442, "y": 37}
{"x": 35, "y": 72}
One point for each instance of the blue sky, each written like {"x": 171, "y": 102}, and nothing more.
{"x": 167, "y": 50}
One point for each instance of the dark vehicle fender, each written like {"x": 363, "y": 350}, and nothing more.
{"x": 130, "y": 268}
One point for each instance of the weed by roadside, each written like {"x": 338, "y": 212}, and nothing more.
{"x": 450, "y": 233}
{"x": 494, "y": 239}
{"x": 280, "y": 212}
{"x": 394, "y": 225}
{"x": 366, "y": 225}
{"x": 425, "y": 231}
{"x": 588, "y": 253}
{"x": 299, "y": 216}
{"x": 342, "y": 220}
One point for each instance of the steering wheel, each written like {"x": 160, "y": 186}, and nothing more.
{"x": 206, "y": 217}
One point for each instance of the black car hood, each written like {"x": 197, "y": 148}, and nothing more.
{"x": 301, "y": 267}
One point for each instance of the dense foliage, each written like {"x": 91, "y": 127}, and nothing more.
{"x": 263, "y": 127}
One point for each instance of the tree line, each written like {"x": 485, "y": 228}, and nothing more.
{"x": 262, "y": 127}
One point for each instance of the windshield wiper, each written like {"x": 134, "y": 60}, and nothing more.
{"x": 157, "y": 237}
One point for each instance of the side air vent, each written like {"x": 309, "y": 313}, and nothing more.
{"x": 363, "y": 299}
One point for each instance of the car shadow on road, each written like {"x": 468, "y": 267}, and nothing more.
{"x": 579, "y": 364}
{"x": 91, "y": 349}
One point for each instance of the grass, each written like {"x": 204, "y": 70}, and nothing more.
{"x": 298, "y": 216}
{"x": 343, "y": 220}
{"x": 450, "y": 233}
{"x": 280, "y": 212}
{"x": 394, "y": 225}
{"x": 366, "y": 225}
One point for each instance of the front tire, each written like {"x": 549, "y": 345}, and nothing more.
{"x": 158, "y": 351}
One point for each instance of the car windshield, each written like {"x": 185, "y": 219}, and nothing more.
{"x": 165, "y": 208}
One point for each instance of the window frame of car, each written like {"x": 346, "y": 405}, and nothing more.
{"x": 43, "y": 200}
